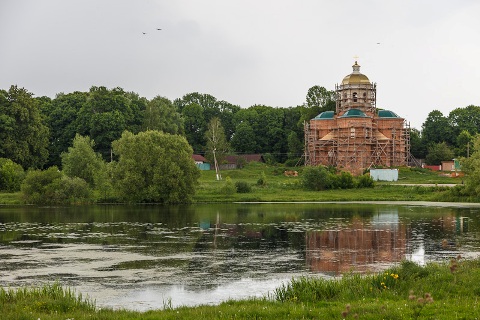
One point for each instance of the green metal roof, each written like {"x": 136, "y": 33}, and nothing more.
{"x": 325, "y": 115}
{"x": 387, "y": 114}
{"x": 354, "y": 113}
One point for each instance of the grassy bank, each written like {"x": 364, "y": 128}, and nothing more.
{"x": 278, "y": 187}
{"x": 281, "y": 188}
{"x": 436, "y": 291}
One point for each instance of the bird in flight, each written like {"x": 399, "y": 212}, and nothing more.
{"x": 159, "y": 29}
{"x": 144, "y": 32}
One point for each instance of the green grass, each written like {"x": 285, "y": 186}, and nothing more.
{"x": 437, "y": 291}
{"x": 282, "y": 188}
{"x": 11, "y": 198}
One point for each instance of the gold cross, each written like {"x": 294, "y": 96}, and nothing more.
{"x": 356, "y": 57}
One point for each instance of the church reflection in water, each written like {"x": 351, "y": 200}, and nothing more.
{"x": 360, "y": 246}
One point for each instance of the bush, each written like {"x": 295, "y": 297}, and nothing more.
{"x": 317, "y": 178}
{"x": 228, "y": 188}
{"x": 70, "y": 191}
{"x": 365, "y": 181}
{"x": 262, "y": 182}
{"x": 37, "y": 186}
{"x": 344, "y": 181}
{"x": 52, "y": 187}
{"x": 243, "y": 187}
{"x": 11, "y": 175}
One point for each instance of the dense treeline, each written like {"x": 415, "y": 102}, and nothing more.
{"x": 37, "y": 132}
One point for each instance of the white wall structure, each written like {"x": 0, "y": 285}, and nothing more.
{"x": 384, "y": 174}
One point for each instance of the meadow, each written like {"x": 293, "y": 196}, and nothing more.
{"x": 279, "y": 187}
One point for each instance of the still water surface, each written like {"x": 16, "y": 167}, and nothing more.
{"x": 150, "y": 257}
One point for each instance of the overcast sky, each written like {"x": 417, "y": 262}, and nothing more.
{"x": 423, "y": 55}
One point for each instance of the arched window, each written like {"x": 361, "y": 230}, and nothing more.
{"x": 354, "y": 97}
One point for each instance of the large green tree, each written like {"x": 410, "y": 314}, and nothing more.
{"x": 465, "y": 119}
{"x": 244, "y": 141}
{"x": 107, "y": 113}
{"x": 154, "y": 166}
{"x": 318, "y": 100}
{"x": 438, "y": 152}
{"x": 62, "y": 121}
{"x": 23, "y": 133}
{"x": 162, "y": 115}
{"x": 417, "y": 146}
{"x": 193, "y": 104}
{"x": 195, "y": 126}
{"x": 268, "y": 128}
{"x": 81, "y": 161}
{"x": 436, "y": 129}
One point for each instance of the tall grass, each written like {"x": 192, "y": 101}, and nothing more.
{"x": 449, "y": 290}
{"x": 47, "y": 299}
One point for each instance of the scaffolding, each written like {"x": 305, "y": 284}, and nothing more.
{"x": 357, "y": 145}
{"x": 357, "y": 137}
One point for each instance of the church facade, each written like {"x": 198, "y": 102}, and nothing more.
{"x": 357, "y": 136}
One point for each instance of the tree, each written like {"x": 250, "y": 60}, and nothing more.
{"x": 195, "y": 126}
{"x": 52, "y": 187}
{"x": 217, "y": 146}
{"x": 417, "y": 146}
{"x": 227, "y": 113}
{"x": 471, "y": 167}
{"x": 268, "y": 128}
{"x": 318, "y": 100}
{"x": 11, "y": 175}
{"x": 23, "y": 134}
{"x": 243, "y": 141}
{"x": 81, "y": 161}
{"x": 465, "y": 119}
{"x": 62, "y": 120}
{"x": 436, "y": 128}
{"x": 209, "y": 107}
{"x": 438, "y": 152}
{"x": 162, "y": 115}
{"x": 295, "y": 146}
{"x": 464, "y": 144}
{"x": 107, "y": 113}
{"x": 154, "y": 167}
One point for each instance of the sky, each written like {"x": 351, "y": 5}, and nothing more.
{"x": 424, "y": 55}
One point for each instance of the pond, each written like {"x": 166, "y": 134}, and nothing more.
{"x": 151, "y": 257}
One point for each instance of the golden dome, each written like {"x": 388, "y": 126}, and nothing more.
{"x": 355, "y": 77}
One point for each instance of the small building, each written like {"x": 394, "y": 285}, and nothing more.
{"x": 451, "y": 165}
{"x": 238, "y": 161}
{"x": 201, "y": 162}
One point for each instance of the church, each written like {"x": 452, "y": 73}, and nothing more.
{"x": 357, "y": 135}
